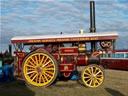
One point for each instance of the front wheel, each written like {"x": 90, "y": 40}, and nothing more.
{"x": 39, "y": 69}
{"x": 93, "y": 76}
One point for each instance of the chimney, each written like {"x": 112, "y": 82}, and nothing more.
{"x": 92, "y": 17}
{"x": 92, "y": 23}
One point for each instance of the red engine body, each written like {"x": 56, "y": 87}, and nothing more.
{"x": 67, "y": 57}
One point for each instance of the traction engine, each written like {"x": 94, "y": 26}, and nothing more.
{"x": 52, "y": 57}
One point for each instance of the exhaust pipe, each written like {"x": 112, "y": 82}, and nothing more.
{"x": 92, "y": 17}
{"x": 92, "y": 23}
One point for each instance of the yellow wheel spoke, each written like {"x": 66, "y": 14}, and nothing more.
{"x": 92, "y": 70}
{"x": 48, "y": 75}
{"x": 37, "y": 77}
{"x": 93, "y": 83}
{"x": 48, "y": 69}
{"x": 98, "y": 72}
{"x": 100, "y": 79}
{"x": 30, "y": 66}
{"x": 34, "y": 77}
{"x": 86, "y": 77}
{"x": 49, "y": 72}
{"x": 86, "y": 73}
{"x": 96, "y": 82}
{"x": 31, "y": 72}
{"x": 89, "y": 70}
{"x": 42, "y": 77}
{"x": 45, "y": 76}
{"x": 31, "y": 63}
{"x": 34, "y": 61}
{"x": 50, "y": 65}
{"x": 99, "y": 75}
{"x": 42, "y": 60}
{"x": 95, "y": 70}
{"x": 39, "y": 59}
{"x": 30, "y": 69}
{"x": 45, "y": 60}
{"x": 46, "y": 64}
{"x": 90, "y": 83}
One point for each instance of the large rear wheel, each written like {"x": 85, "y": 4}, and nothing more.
{"x": 39, "y": 69}
{"x": 93, "y": 76}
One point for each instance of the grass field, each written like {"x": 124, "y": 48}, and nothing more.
{"x": 116, "y": 84}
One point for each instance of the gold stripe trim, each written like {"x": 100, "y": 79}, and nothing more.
{"x": 67, "y": 47}
{"x": 70, "y": 54}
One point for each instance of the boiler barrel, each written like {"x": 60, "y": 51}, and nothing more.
{"x": 84, "y": 60}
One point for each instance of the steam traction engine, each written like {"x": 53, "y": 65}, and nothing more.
{"x": 53, "y": 56}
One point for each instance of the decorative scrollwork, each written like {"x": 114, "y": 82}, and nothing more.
{"x": 106, "y": 44}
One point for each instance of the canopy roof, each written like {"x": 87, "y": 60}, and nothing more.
{"x": 65, "y": 37}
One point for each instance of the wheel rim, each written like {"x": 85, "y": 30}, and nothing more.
{"x": 93, "y": 76}
{"x": 39, "y": 69}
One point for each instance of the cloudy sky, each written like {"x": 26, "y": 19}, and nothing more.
{"x": 38, "y": 17}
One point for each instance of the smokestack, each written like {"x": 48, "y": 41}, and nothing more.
{"x": 92, "y": 17}
{"x": 92, "y": 23}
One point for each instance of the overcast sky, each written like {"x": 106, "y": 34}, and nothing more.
{"x": 38, "y": 17}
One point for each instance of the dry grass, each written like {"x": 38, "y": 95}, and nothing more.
{"x": 116, "y": 84}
